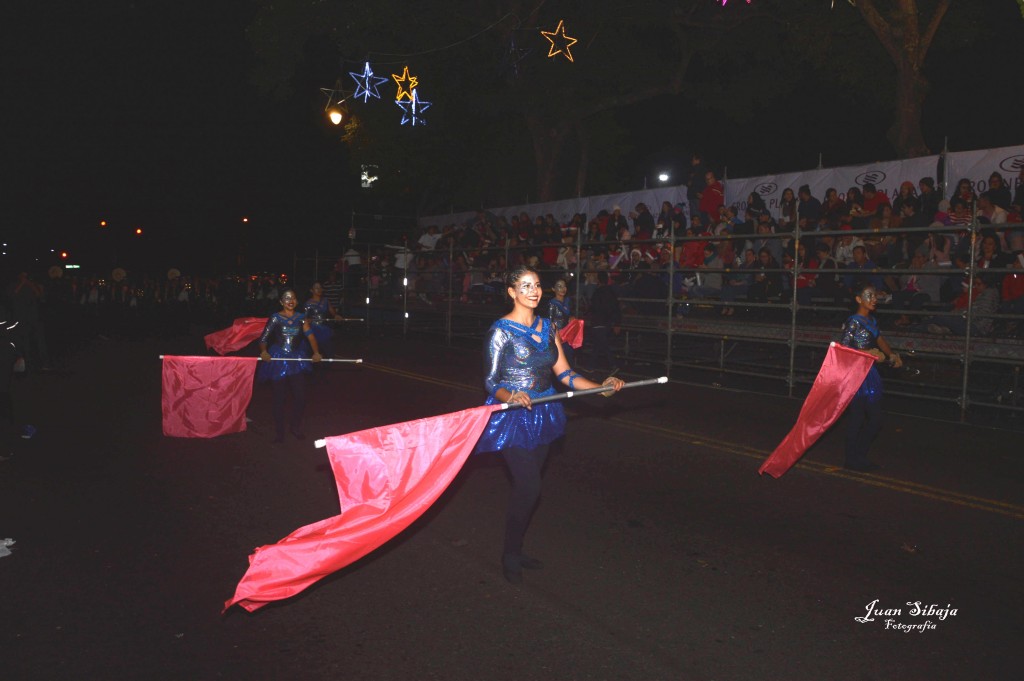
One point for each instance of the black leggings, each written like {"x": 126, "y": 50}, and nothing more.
{"x": 297, "y": 384}
{"x": 864, "y": 420}
{"x": 525, "y": 466}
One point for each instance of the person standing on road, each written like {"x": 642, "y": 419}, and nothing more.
{"x": 522, "y": 353}
{"x": 318, "y": 310}
{"x": 864, "y": 415}
{"x": 560, "y": 314}
{"x": 282, "y": 339}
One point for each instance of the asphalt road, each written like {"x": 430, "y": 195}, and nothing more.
{"x": 667, "y": 556}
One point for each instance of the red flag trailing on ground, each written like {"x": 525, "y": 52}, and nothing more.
{"x": 205, "y": 396}
{"x": 573, "y": 333}
{"x": 839, "y": 378}
{"x": 387, "y": 477}
{"x": 242, "y": 331}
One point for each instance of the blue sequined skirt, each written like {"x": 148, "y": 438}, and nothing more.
{"x": 275, "y": 371}
{"x": 871, "y": 388}
{"x": 526, "y": 428}
{"x": 322, "y": 333}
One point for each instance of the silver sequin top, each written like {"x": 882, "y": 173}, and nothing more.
{"x": 516, "y": 360}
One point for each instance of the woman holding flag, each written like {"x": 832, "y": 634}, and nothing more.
{"x": 864, "y": 415}
{"x": 560, "y": 314}
{"x": 318, "y": 310}
{"x": 282, "y": 340}
{"x": 522, "y": 354}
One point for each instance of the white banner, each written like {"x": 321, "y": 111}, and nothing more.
{"x": 978, "y": 166}
{"x": 886, "y": 175}
{"x": 771, "y": 187}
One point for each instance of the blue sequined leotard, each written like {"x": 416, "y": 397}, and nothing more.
{"x": 861, "y": 333}
{"x": 284, "y": 338}
{"x": 516, "y": 360}
{"x": 558, "y": 313}
{"x": 317, "y": 314}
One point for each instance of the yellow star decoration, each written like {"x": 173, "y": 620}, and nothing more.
{"x": 405, "y": 92}
{"x": 567, "y": 41}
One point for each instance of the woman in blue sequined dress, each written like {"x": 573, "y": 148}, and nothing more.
{"x": 522, "y": 355}
{"x": 864, "y": 415}
{"x": 285, "y": 336}
{"x": 560, "y": 314}
{"x": 318, "y": 311}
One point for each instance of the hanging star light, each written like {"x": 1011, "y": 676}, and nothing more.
{"x": 413, "y": 108}
{"x": 564, "y": 41}
{"x": 405, "y": 92}
{"x": 367, "y": 83}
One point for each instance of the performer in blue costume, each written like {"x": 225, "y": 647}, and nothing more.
{"x": 864, "y": 415}
{"x": 318, "y": 310}
{"x": 283, "y": 338}
{"x": 522, "y": 354}
{"x": 560, "y": 315}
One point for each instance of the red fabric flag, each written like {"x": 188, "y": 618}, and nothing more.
{"x": 573, "y": 334}
{"x": 242, "y": 331}
{"x": 206, "y": 396}
{"x": 839, "y": 378}
{"x": 387, "y": 477}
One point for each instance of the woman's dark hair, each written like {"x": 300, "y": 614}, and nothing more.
{"x": 515, "y": 275}
{"x": 859, "y": 287}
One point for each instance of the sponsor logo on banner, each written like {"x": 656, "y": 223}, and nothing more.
{"x": 875, "y": 177}
{"x": 1012, "y": 164}
{"x": 766, "y": 188}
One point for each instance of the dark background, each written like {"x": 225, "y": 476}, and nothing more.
{"x": 144, "y": 114}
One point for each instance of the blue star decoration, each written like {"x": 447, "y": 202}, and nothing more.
{"x": 413, "y": 108}
{"x": 564, "y": 41}
{"x": 366, "y": 84}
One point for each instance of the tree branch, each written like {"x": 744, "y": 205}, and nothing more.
{"x": 881, "y": 28}
{"x": 933, "y": 26}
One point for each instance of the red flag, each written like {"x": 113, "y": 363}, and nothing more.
{"x": 206, "y": 396}
{"x": 242, "y": 331}
{"x": 839, "y": 378}
{"x": 573, "y": 334}
{"x": 387, "y": 477}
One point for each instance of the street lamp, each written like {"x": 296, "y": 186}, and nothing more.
{"x": 664, "y": 177}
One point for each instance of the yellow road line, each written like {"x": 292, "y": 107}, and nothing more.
{"x": 916, "y": 489}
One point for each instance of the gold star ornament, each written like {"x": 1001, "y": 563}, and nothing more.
{"x": 560, "y": 42}
{"x": 406, "y": 91}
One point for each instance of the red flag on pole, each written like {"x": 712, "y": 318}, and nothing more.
{"x": 387, "y": 477}
{"x": 839, "y": 378}
{"x": 242, "y": 331}
{"x": 573, "y": 334}
{"x": 205, "y": 396}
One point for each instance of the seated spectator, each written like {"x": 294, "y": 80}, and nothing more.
{"x": 1017, "y": 205}
{"x": 916, "y": 290}
{"x": 756, "y": 203}
{"x": 617, "y": 223}
{"x": 989, "y": 212}
{"x": 804, "y": 283}
{"x": 854, "y": 201}
{"x": 885, "y": 223}
{"x": 907, "y": 191}
{"x": 643, "y": 222}
{"x": 984, "y": 301}
{"x": 1013, "y": 287}
{"x": 827, "y": 284}
{"x": 873, "y": 198}
{"x": 809, "y": 209}
{"x": 998, "y": 192}
{"x": 929, "y": 198}
{"x": 736, "y": 284}
{"x": 787, "y": 210}
{"x": 861, "y": 270}
{"x": 991, "y": 256}
{"x": 763, "y": 239}
{"x": 833, "y": 206}
{"x": 709, "y": 283}
{"x": 663, "y": 225}
{"x": 767, "y": 284}
{"x": 843, "y": 252}
{"x": 964, "y": 192}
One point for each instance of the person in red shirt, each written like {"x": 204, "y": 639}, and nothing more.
{"x": 873, "y": 199}
{"x": 712, "y": 197}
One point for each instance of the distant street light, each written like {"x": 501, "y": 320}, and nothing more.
{"x": 138, "y": 230}
{"x": 335, "y": 115}
{"x": 664, "y": 177}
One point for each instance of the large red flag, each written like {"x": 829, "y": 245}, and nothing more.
{"x": 839, "y": 378}
{"x": 206, "y": 396}
{"x": 387, "y": 477}
{"x": 573, "y": 333}
{"x": 242, "y": 331}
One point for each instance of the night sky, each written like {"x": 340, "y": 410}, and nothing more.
{"x": 142, "y": 114}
